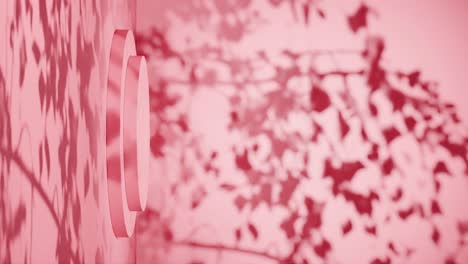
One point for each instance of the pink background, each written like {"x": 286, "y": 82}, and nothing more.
{"x": 53, "y": 195}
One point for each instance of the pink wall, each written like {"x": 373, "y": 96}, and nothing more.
{"x": 258, "y": 116}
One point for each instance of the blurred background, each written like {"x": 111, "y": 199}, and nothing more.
{"x": 282, "y": 131}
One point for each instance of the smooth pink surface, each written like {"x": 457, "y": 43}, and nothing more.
{"x": 123, "y": 48}
{"x": 136, "y": 133}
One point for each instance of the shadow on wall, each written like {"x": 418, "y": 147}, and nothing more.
{"x": 280, "y": 134}
{"x": 270, "y": 147}
{"x": 49, "y": 134}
